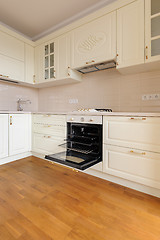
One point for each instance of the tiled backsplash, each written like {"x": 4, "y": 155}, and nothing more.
{"x": 105, "y": 89}
{"x": 9, "y": 94}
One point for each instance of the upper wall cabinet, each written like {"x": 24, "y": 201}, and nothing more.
{"x": 130, "y": 34}
{"x": 29, "y": 63}
{"x": 94, "y": 42}
{"x": 39, "y": 63}
{"x": 152, "y": 31}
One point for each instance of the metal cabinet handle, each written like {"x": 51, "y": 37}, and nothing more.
{"x": 90, "y": 62}
{"x": 146, "y": 52}
{"x": 143, "y": 118}
{"x": 141, "y": 153}
{"x": 10, "y": 121}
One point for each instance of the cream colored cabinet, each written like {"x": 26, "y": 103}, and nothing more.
{"x": 50, "y": 60}
{"x": 134, "y": 132}
{"x": 152, "y": 30}
{"x": 29, "y": 64}
{"x": 11, "y": 68}
{"x": 39, "y": 63}
{"x": 131, "y": 149}
{"x": 3, "y": 135}
{"x": 49, "y": 131}
{"x": 19, "y": 133}
{"x": 130, "y": 34}
{"x": 11, "y": 46}
{"x": 94, "y": 42}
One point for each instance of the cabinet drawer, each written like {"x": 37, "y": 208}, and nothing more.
{"x": 46, "y": 144}
{"x": 59, "y": 131}
{"x": 135, "y": 132}
{"x": 132, "y": 164}
{"x": 57, "y": 120}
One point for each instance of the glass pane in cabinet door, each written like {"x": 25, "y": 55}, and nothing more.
{"x": 46, "y": 73}
{"x": 155, "y": 26}
{"x": 155, "y": 47}
{"x": 46, "y": 62}
{"x": 46, "y": 49}
{"x": 155, "y": 6}
{"x": 52, "y": 73}
{"x": 52, "y": 60}
{"x": 52, "y": 47}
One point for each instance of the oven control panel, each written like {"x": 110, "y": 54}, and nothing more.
{"x": 84, "y": 119}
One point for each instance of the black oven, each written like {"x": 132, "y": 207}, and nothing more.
{"x": 83, "y": 145}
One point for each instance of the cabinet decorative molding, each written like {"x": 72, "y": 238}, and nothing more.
{"x": 93, "y": 41}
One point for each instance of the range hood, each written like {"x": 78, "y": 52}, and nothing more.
{"x": 7, "y": 79}
{"x": 97, "y": 67}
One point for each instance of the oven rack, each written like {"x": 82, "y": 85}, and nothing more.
{"x": 85, "y": 151}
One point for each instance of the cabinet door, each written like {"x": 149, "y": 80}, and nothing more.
{"x": 64, "y": 56}
{"x": 29, "y": 63}
{"x": 46, "y": 144}
{"x": 39, "y": 64}
{"x": 152, "y": 30}
{"x": 94, "y": 42}
{"x": 132, "y": 164}
{"x": 130, "y": 34}
{"x": 19, "y": 133}
{"x": 3, "y": 135}
{"x": 12, "y": 68}
{"x": 11, "y": 46}
{"x": 134, "y": 132}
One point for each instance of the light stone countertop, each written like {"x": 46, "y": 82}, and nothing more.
{"x": 135, "y": 114}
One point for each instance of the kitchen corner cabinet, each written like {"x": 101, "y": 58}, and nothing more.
{"x": 131, "y": 149}
{"x": 130, "y": 34}
{"x": 152, "y": 30}
{"x": 19, "y": 133}
{"x": 95, "y": 41}
{"x": 3, "y": 135}
{"x": 39, "y": 64}
{"x": 29, "y": 64}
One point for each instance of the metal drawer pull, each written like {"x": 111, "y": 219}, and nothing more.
{"x": 142, "y": 153}
{"x": 46, "y": 126}
{"x": 132, "y": 118}
{"x": 90, "y": 62}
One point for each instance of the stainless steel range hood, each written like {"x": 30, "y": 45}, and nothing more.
{"x": 97, "y": 67}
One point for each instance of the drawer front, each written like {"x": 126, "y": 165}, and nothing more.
{"x": 57, "y": 120}
{"x": 134, "y": 132}
{"x": 132, "y": 164}
{"x": 45, "y": 144}
{"x": 59, "y": 131}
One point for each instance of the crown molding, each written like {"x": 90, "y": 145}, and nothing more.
{"x": 78, "y": 16}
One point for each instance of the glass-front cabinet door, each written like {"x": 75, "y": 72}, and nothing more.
{"x": 49, "y": 61}
{"x": 152, "y": 30}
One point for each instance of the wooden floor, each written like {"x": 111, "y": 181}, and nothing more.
{"x": 43, "y": 201}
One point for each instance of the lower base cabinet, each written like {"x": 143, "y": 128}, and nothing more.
{"x": 19, "y": 133}
{"x": 45, "y": 144}
{"x": 135, "y": 165}
{"x": 3, "y": 135}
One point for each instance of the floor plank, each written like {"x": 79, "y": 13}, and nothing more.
{"x": 40, "y": 200}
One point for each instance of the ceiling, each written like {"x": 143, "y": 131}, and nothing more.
{"x": 37, "y": 18}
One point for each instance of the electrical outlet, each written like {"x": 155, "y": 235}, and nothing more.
{"x": 73, "y": 100}
{"x": 144, "y": 97}
{"x": 147, "y": 97}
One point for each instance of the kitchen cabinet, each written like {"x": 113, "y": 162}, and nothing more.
{"x": 131, "y": 149}
{"x": 39, "y": 64}
{"x": 11, "y": 46}
{"x": 19, "y": 133}
{"x": 48, "y": 132}
{"x": 152, "y": 30}
{"x": 130, "y": 34}
{"x": 135, "y": 165}
{"x": 3, "y": 135}
{"x": 11, "y": 68}
{"x": 29, "y": 64}
{"x": 94, "y": 42}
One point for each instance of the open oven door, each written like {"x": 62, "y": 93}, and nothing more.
{"x": 83, "y": 147}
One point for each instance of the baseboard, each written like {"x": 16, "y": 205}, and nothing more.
{"x": 120, "y": 181}
{"x": 15, "y": 158}
{"x": 123, "y": 182}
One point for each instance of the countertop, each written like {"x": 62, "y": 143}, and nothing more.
{"x": 135, "y": 114}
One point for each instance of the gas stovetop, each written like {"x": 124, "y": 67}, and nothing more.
{"x": 95, "y": 110}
